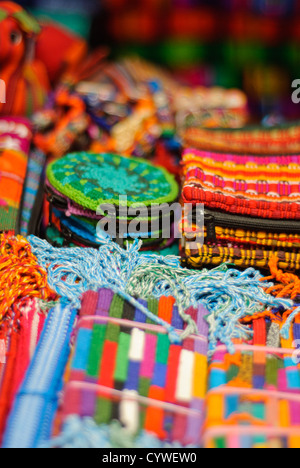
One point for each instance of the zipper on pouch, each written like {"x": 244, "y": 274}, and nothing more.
{"x": 32, "y": 415}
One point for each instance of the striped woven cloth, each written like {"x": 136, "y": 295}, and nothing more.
{"x": 214, "y": 255}
{"x": 252, "y": 209}
{"x": 130, "y": 371}
{"x": 253, "y": 397}
{"x": 36, "y": 164}
{"x": 263, "y": 187}
{"x": 19, "y": 335}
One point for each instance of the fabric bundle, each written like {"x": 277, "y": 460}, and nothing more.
{"x": 107, "y": 107}
{"x": 251, "y": 203}
{"x": 20, "y": 333}
{"x": 24, "y": 305}
{"x": 30, "y": 420}
{"x": 95, "y": 197}
{"x": 131, "y": 372}
{"x": 132, "y": 367}
{"x": 107, "y": 304}
{"x": 209, "y": 108}
{"x": 15, "y": 140}
{"x": 253, "y": 396}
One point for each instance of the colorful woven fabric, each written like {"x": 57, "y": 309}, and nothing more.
{"x": 133, "y": 373}
{"x": 27, "y": 429}
{"x": 223, "y": 291}
{"x": 85, "y": 433}
{"x": 214, "y": 255}
{"x": 245, "y": 245}
{"x": 21, "y": 275}
{"x": 251, "y": 205}
{"x": 15, "y": 138}
{"x": 20, "y": 333}
{"x": 252, "y": 186}
{"x": 267, "y": 141}
{"x": 261, "y": 238}
{"x": 127, "y": 360}
{"x": 36, "y": 164}
{"x": 253, "y": 397}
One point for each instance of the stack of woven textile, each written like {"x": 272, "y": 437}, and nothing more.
{"x": 210, "y": 107}
{"x": 253, "y": 393}
{"x": 25, "y": 301}
{"x": 130, "y": 371}
{"x": 21, "y": 169}
{"x": 95, "y": 197}
{"x": 247, "y": 181}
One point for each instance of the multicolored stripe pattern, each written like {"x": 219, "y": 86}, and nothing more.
{"x": 15, "y": 139}
{"x": 105, "y": 303}
{"x": 35, "y": 169}
{"x": 239, "y": 255}
{"x": 262, "y": 187}
{"x": 238, "y": 190}
{"x": 253, "y": 398}
{"x": 131, "y": 372}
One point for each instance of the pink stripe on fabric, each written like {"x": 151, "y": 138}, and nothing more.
{"x": 147, "y": 367}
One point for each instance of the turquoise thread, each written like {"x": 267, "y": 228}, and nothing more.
{"x": 227, "y": 294}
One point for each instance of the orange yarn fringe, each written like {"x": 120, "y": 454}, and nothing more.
{"x": 289, "y": 284}
{"x": 20, "y": 274}
{"x": 288, "y": 287}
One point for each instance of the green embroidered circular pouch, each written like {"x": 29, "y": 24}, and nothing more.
{"x": 94, "y": 179}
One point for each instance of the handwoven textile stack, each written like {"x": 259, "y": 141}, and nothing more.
{"x": 248, "y": 182}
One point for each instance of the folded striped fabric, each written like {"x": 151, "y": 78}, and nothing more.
{"x": 253, "y": 397}
{"x": 129, "y": 371}
{"x": 15, "y": 139}
{"x": 251, "y": 209}
{"x": 30, "y": 208}
{"x": 214, "y": 255}
{"x": 283, "y": 139}
{"x": 19, "y": 335}
{"x": 105, "y": 303}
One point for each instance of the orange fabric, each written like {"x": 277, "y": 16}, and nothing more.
{"x": 66, "y": 51}
{"x": 155, "y": 416}
{"x": 165, "y": 308}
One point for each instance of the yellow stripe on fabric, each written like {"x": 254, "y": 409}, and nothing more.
{"x": 200, "y": 376}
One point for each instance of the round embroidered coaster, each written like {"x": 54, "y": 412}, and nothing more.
{"x": 94, "y": 179}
